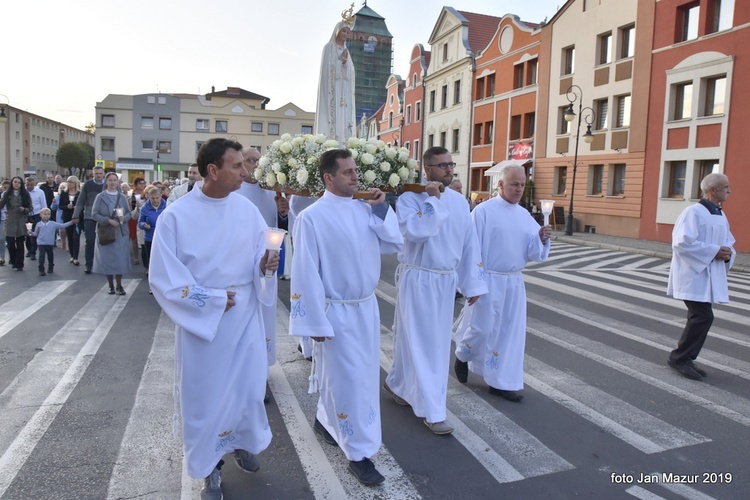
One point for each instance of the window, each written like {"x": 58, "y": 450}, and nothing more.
{"x": 457, "y": 92}
{"x": 198, "y": 145}
{"x": 456, "y": 136}
{"x": 478, "y": 134}
{"x": 306, "y": 129}
{"x": 151, "y": 99}
{"x": 445, "y": 52}
{"x": 430, "y": 141}
{"x": 515, "y": 127}
{"x": 165, "y": 123}
{"x": 568, "y": 61}
{"x": 687, "y": 17}
{"x": 443, "y": 141}
{"x": 273, "y": 129}
{"x": 563, "y": 125}
{"x": 518, "y": 76}
{"x": 488, "y": 132}
{"x": 627, "y": 42}
{"x": 683, "y": 100}
{"x": 201, "y": 124}
{"x": 147, "y": 122}
{"x": 256, "y": 127}
{"x": 604, "y": 48}
{"x": 408, "y": 114}
{"x": 414, "y": 80}
{"x": 221, "y": 126}
{"x": 407, "y": 146}
{"x": 716, "y": 89}
{"x": 703, "y": 168}
{"x": 491, "y": 85}
{"x": 162, "y": 100}
{"x": 165, "y": 147}
{"x": 722, "y": 15}
{"x": 596, "y": 176}
{"x": 108, "y": 144}
{"x": 444, "y": 97}
{"x": 416, "y": 150}
{"x": 531, "y": 68}
{"x": 622, "y": 118}
{"x": 602, "y": 110}
{"x": 616, "y": 178}
{"x": 147, "y": 145}
{"x": 676, "y": 186}
{"x": 560, "y": 180}
{"x": 432, "y": 101}
{"x": 480, "y": 88}
{"x": 529, "y": 123}
{"x": 418, "y": 111}
{"x": 108, "y": 120}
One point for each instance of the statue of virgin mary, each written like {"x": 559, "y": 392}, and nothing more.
{"x": 335, "y": 110}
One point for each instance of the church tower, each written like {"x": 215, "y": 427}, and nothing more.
{"x": 370, "y": 46}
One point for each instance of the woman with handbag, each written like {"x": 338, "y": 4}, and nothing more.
{"x": 111, "y": 211}
{"x": 17, "y": 203}
{"x": 68, "y": 200}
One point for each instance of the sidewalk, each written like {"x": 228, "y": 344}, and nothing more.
{"x": 632, "y": 245}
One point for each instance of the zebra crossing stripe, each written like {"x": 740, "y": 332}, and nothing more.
{"x": 21, "y": 308}
{"x": 642, "y": 493}
{"x": 150, "y": 458}
{"x": 26, "y": 440}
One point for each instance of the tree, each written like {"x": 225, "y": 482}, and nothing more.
{"x": 74, "y": 155}
{"x": 90, "y": 127}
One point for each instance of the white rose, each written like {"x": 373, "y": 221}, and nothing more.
{"x": 331, "y": 143}
{"x": 276, "y": 143}
{"x": 270, "y": 179}
{"x": 367, "y": 159}
{"x": 370, "y": 176}
{"x": 394, "y": 180}
{"x": 403, "y": 156}
{"x": 258, "y": 174}
{"x": 320, "y": 138}
{"x": 381, "y": 144}
{"x": 297, "y": 141}
{"x": 390, "y": 153}
{"x": 362, "y": 141}
{"x": 353, "y": 142}
{"x": 292, "y": 162}
{"x": 263, "y": 162}
{"x": 371, "y": 148}
{"x": 276, "y": 167}
{"x": 385, "y": 166}
{"x": 412, "y": 163}
{"x": 308, "y": 137}
{"x": 312, "y": 160}
{"x": 286, "y": 137}
{"x": 354, "y": 153}
{"x": 285, "y": 147}
{"x": 403, "y": 173}
{"x": 281, "y": 177}
{"x": 302, "y": 176}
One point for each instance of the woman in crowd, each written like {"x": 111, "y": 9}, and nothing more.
{"x": 6, "y": 186}
{"x": 112, "y": 259}
{"x": 67, "y": 204}
{"x": 149, "y": 213}
{"x": 17, "y": 203}
{"x": 57, "y": 210}
{"x": 137, "y": 199}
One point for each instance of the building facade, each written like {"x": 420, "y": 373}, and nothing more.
{"x": 412, "y": 133}
{"x": 392, "y": 117}
{"x": 370, "y": 45}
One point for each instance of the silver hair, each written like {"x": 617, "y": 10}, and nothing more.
{"x": 508, "y": 168}
{"x": 712, "y": 180}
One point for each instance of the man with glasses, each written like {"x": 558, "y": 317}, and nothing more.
{"x": 440, "y": 253}
{"x": 183, "y": 189}
{"x": 85, "y": 203}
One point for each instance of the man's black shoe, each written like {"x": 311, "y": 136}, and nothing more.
{"x": 509, "y": 395}
{"x": 698, "y": 369}
{"x": 33, "y": 256}
{"x": 88, "y": 270}
{"x": 318, "y": 428}
{"x": 685, "y": 370}
{"x": 365, "y": 472}
{"x": 462, "y": 370}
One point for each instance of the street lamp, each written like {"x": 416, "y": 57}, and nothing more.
{"x": 3, "y": 116}
{"x": 577, "y": 95}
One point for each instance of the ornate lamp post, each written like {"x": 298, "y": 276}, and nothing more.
{"x": 576, "y": 94}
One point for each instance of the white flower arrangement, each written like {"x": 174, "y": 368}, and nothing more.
{"x": 291, "y": 164}
{"x": 380, "y": 165}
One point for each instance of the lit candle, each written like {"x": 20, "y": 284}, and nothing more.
{"x": 474, "y": 196}
{"x": 118, "y": 211}
{"x": 547, "y": 210}
{"x": 274, "y": 239}
{"x": 29, "y": 225}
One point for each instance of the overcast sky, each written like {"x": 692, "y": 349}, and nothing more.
{"x": 61, "y": 57}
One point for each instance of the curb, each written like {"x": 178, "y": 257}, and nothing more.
{"x": 629, "y": 249}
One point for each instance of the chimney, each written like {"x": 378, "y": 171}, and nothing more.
{"x": 213, "y": 89}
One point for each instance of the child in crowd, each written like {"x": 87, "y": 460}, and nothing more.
{"x": 46, "y": 233}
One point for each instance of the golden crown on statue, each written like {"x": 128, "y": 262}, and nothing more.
{"x": 347, "y": 16}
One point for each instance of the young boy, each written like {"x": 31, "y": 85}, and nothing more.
{"x": 45, "y": 233}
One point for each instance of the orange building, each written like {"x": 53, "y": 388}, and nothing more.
{"x": 391, "y": 119}
{"x": 697, "y": 111}
{"x": 414, "y": 102}
{"x": 504, "y": 100}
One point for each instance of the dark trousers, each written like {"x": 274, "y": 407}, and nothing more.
{"x": 15, "y": 250}
{"x": 74, "y": 241}
{"x": 31, "y": 240}
{"x": 89, "y": 227}
{"x": 700, "y": 316}
{"x": 46, "y": 250}
{"x": 146, "y": 253}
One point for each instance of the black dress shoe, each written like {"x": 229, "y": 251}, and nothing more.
{"x": 462, "y": 370}
{"x": 698, "y": 369}
{"x": 509, "y": 395}
{"x": 319, "y": 429}
{"x": 365, "y": 472}
{"x": 684, "y": 369}
{"x": 88, "y": 270}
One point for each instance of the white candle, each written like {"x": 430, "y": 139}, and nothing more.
{"x": 274, "y": 239}
{"x": 547, "y": 210}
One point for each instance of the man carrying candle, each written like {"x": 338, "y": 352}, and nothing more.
{"x": 492, "y": 336}
{"x": 440, "y": 254}
{"x": 702, "y": 254}
{"x": 213, "y": 288}
{"x": 335, "y": 271}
